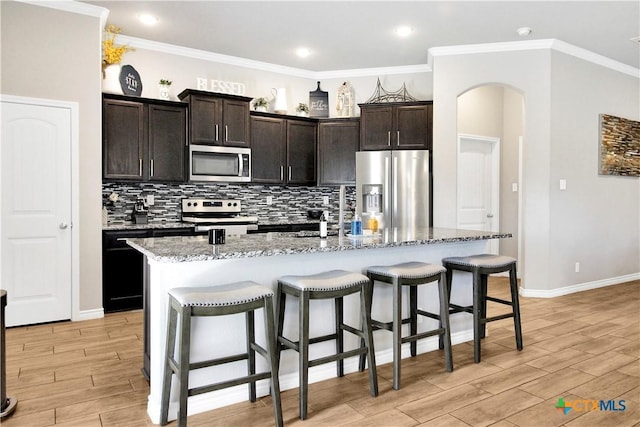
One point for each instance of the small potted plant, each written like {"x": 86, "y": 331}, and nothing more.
{"x": 260, "y": 104}
{"x": 302, "y": 109}
{"x": 164, "y": 87}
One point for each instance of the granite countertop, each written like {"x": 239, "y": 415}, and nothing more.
{"x": 197, "y": 248}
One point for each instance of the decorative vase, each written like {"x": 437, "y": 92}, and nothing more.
{"x": 111, "y": 80}
{"x": 261, "y": 109}
{"x": 164, "y": 91}
{"x": 280, "y": 105}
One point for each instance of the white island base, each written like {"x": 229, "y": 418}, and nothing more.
{"x": 215, "y": 337}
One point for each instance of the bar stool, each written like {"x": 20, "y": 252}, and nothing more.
{"x": 335, "y": 285}
{"x": 240, "y": 297}
{"x": 412, "y": 275}
{"x": 481, "y": 266}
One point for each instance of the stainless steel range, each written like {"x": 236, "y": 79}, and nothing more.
{"x": 209, "y": 214}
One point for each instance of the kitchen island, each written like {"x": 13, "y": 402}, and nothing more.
{"x": 191, "y": 261}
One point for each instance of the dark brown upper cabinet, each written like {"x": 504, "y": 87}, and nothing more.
{"x": 217, "y": 119}
{"x": 283, "y": 150}
{"x": 338, "y": 141}
{"x": 396, "y": 126}
{"x": 143, "y": 139}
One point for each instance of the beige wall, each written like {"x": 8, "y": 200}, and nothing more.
{"x": 52, "y": 54}
{"x": 595, "y": 221}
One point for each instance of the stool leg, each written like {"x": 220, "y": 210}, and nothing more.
{"x": 477, "y": 309}
{"x": 445, "y": 336}
{"x": 367, "y": 331}
{"x": 172, "y": 320}
{"x": 183, "y": 365}
{"x": 363, "y": 357}
{"x": 338, "y": 302}
{"x": 271, "y": 354}
{"x": 448, "y": 280}
{"x": 413, "y": 309}
{"x": 251, "y": 353}
{"x": 281, "y": 299}
{"x": 515, "y": 302}
{"x": 483, "y": 307}
{"x": 303, "y": 346}
{"x": 397, "y": 332}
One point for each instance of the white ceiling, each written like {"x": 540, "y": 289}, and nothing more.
{"x": 346, "y": 35}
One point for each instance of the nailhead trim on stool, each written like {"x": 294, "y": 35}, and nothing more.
{"x": 241, "y": 297}
{"x": 481, "y": 266}
{"x": 335, "y": 285}
{"x": 412, "y": 274}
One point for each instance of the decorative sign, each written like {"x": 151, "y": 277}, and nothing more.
{"x": 619, "y": 146}
{"x": 318, "y": 103}
{"x": 130, "y": 81}
{"x": 221, "y": 86}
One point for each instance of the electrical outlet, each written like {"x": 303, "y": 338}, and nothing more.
{"x": 577, "y": 267}
{"x": 151, "y": 200}
{"x": 563, "y": 184}
{"x": 269, "y": 200}
{"x": 325, "y": 200}
{"x": 514, "y": 187}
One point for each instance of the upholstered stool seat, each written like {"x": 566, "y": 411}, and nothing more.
{"x": 481, "y": 266}
{"x": 240, "y": 297}
{"x": 335, "y": 285}
{"x": 411, "y": 275}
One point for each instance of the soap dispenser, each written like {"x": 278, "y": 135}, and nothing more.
{"x": 323, "y": 225}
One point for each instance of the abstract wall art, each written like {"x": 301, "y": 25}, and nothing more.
{"x": 619, "y": 146}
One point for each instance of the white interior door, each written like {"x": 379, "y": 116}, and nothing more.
{"x": 478, "y": 185}
{"x": 36, "y": 241}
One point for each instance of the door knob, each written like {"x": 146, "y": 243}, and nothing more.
{"x": 489, "y": 215}
{"x": 63, "y": 225}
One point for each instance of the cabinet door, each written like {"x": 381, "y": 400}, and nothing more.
{"x": 301, "y": 152}
{"x": 121, "y": 272}
{"x": 167, "y": 143}
{"x": 236, "y": 123}
{"x": 123, "y": 139}
{"x": 206, "y": 120}
{"x": 337, "y": 145}
{"x": 413, "y": 127}
{"x": 267, "y": 150}
{"x": 376, "y": 127}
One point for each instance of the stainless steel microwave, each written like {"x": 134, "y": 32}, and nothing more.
{"x": 215, "y": 163}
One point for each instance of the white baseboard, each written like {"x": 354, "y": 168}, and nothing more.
{"x": 96, "y": 313}
{"x": 551, "y": 293}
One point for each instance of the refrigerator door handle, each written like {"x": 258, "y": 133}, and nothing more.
{"x": 387, "y": 200}
{"x": 394, "y": 171}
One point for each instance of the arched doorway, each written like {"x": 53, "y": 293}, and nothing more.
{"x": 490, "y": 126}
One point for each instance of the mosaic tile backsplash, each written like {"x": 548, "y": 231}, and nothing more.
{"x": 289, "y": 204}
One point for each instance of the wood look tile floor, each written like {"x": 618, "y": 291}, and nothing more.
{"x": 580, "y": 346}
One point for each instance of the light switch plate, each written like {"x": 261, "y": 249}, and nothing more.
{"x": 151, "y": 200}
{"x": 563, "y": 184}
{"x": 514, "y": 187}
{"x": 269, "y": 200}
{"x": 325, "y": 200}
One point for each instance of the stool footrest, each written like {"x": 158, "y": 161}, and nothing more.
{"x": 498, "y": 300}
{"x": 339, "y": 356}
{"x": 220, "y": 361}
{"x": 453, "y": 308}
{"x": 500, "y": 317}
{"x": 429, "y": 315}
{"x": 419, "y": 336}
{"x": 229, "y": 383}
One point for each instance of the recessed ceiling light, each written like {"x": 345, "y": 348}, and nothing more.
{"x": 403, "y": 31}
{"x": 303, "y": 52}
{"x": 524, "y": 31}
{"x": 147, "y": 19}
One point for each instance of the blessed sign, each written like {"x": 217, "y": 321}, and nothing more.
{"x": 221, "y": 86}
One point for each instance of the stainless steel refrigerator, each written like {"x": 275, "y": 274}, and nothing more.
{"x": 392, "y": 189}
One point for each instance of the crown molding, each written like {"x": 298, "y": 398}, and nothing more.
{"x": 552, "y": 44}
{"x": 71, "y": 6}
{"x": 139, "y": 43}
